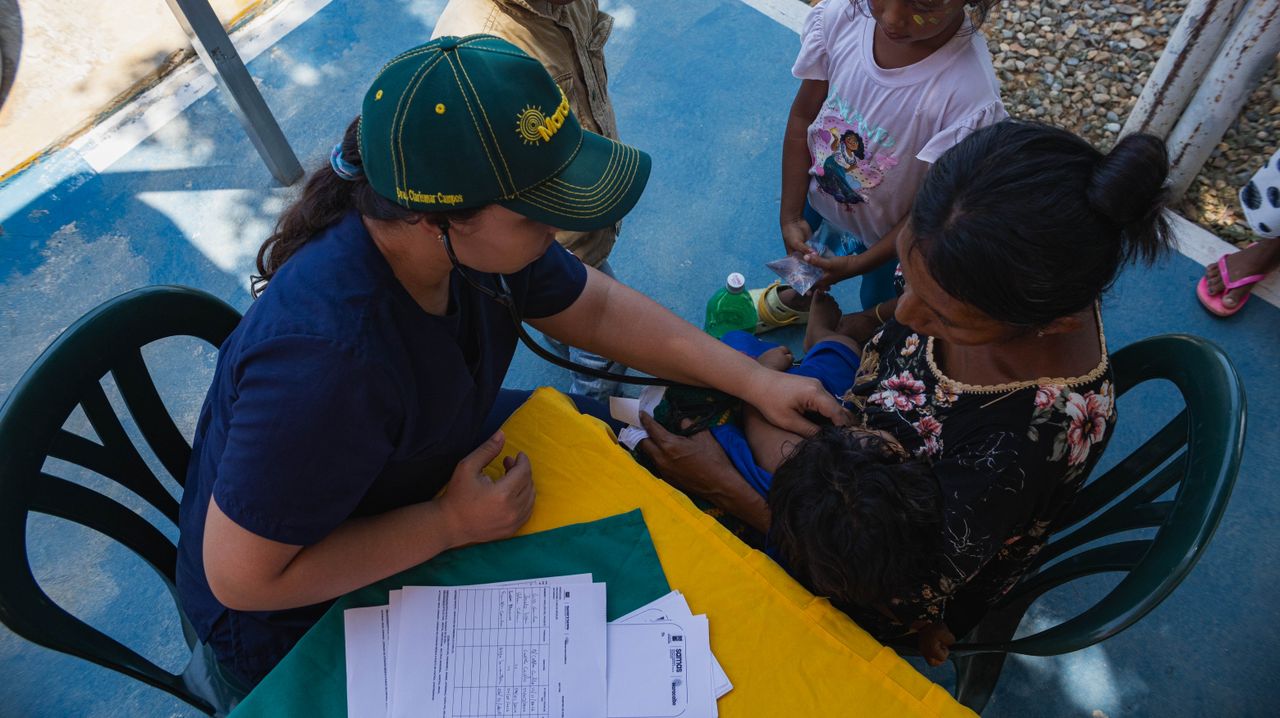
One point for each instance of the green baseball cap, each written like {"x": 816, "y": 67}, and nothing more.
{"x": 465, "y": 122}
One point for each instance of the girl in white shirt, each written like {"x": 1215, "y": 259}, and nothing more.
{"x": 887, "y": 87}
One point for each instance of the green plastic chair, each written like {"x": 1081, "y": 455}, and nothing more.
{"x": 1197, "y": 454}
{"x": 107, "y": 340}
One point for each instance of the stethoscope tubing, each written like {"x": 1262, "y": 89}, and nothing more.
{"x": 504, "y": 297}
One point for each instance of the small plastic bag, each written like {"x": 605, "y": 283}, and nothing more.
{"x": 795, "y": 272}
{"x": 826, "y": 242}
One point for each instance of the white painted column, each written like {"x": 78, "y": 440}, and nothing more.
{"x": 1247, "y": 53}
{"x": 1187, "y": 56}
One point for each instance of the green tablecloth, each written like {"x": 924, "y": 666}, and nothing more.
{"x": 311, "y": 681}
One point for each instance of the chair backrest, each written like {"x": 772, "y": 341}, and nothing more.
{"x": 107, "y": 340}
{"x": 1197, "y": 454}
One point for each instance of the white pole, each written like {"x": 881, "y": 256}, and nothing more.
{"x": 1191, "y": 48}
{"x": 1246, "y": 55}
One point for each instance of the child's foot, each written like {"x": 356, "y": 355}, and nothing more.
{"x": 794, "y": 300}
{"x": 1262, "y": 258}
{"x": 778, "y": 358}
{"x": 773, "y": 313}
{"x": 824, "y": 315}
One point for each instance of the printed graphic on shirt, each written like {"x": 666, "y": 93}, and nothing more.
{"x": 851, "y": 154}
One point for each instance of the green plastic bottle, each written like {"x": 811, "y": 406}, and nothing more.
{"x": 730, "y": 308}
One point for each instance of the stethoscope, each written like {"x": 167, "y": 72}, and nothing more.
{"x": 504, "y": 297}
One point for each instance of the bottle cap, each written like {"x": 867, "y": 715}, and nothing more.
{"x": 735, "y": 282}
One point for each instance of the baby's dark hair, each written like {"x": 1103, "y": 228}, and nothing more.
{"x": 978, "y": 9}
{"x": 853, "y": 519}
{"x": 1029, "y": 223}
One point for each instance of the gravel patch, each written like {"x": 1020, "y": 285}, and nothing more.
{"x": 1081, "y": 65}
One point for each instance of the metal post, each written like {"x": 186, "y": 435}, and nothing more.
{"x": 1191, "y": 49}
{"x": 1247, "y": 53}
{"x": 221, "y": 59}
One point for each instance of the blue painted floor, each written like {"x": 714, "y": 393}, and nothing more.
{"x": 704, "y": 86}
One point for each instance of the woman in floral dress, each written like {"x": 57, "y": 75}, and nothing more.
{"x": 993, "y": 365}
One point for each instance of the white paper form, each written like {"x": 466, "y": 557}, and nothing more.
{"x": 489, "y": 652}
{"x": 368, "y": 636}
{"x": 396, "y": 596}
{"x": 372, "y": 646}
{"x": 650, "y": 675}
{"x": 674, "y": 607}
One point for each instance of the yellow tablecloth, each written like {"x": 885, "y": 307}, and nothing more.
{"x": 787, "y": 652}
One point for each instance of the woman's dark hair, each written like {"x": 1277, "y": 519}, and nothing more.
{"x": 978, "y": 9}
{"x": 1029, "y": 223}
{"x": 325, "y": 199}
{"x": 853, "y": 520}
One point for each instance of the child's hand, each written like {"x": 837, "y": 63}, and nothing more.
{"x": 796, "y": 235}
{"x": 834, "y": 269}
{"x": 934, "y": 641}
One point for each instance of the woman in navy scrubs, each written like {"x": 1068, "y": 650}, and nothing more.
{"x": 367, "y": 375}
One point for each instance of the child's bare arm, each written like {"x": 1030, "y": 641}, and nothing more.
{"x": 795, "y": 164}
{"x": 769, "y": 444}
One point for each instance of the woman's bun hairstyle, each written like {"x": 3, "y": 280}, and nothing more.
{"x": 1029, "y": 223}
{"x": 1128, "y": 187}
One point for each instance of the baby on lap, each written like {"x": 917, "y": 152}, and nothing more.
{"x": 853, "y": 516}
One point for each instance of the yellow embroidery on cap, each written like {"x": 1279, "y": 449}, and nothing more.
{"x": 919, "y": 20}
{"x": 377, "y": 95}
{"x": 427, "y": 198}
{"x": 534, "y": 127}
{"x": 529, "y": 121}
{"x": 440, "y": 108}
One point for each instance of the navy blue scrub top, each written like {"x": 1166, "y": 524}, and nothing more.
{"x": 338, "y": 396}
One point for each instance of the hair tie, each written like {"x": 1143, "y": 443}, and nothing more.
{"x": 343, "y": 168}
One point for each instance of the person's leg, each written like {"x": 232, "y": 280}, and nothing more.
{"x": 595, "y": 387}
{"x": 1261, "y": 258}
{"x": 824, "y": 316}
{"x": 207, "y": 678}
{"x": 832, "y": 360}
{"x": 560, "y": 348}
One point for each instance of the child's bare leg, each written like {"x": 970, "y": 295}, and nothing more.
{"x": 824, "y": 315}
{"x": 824, "y": 322}
{"x": 778, "y": 358}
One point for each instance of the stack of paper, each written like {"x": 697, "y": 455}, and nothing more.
{"x": 529, "y": 648}
{"x": 535, "y": 648}
{"x": 660, "y": 663}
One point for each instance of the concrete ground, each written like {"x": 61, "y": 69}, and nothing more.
{"x": 704, "y": 86}
{"x": 78, "y": 58}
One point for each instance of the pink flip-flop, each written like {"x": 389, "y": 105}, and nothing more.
{"x": 1213, "y": 302}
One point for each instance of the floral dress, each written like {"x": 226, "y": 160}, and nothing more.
{"x": 1009, "y": 459}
